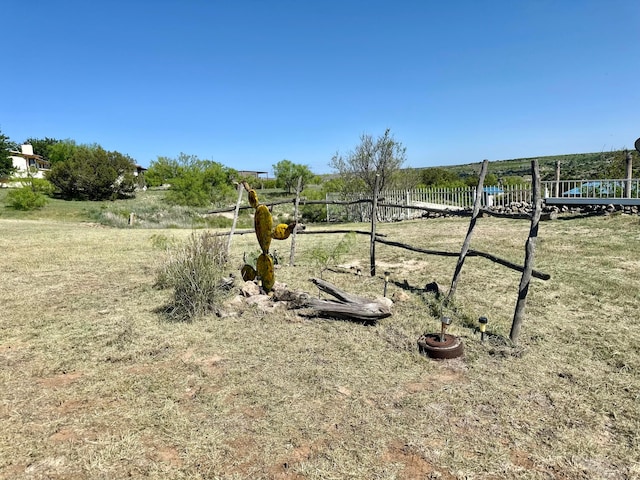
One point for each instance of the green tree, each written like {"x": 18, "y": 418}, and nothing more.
{"x": 490, "y": 179}
{"x": 92, "y": 173}
{"x": 614, "y": 165}
{"x": 513, "y": 180}
{"x": 406, "y": 179}
{"x": 199, "y": 183}
{"x": 162, "y": 171}
{"x": 6, "y": 164}
{"x": 440, "y": 177}
{"x": 61, "y": 151}
{"x": 287, "y": 174}
{"x": 382, "y": 156}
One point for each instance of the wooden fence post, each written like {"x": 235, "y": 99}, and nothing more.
{"x": 627, "y": 183}
{"x": 530, "y": 250}
{"x": 235, "y": 218}
{"x": 374, "y": 213}
{"x": 557, "y": 191}
{"x": 292, "y": 255}
{"x": 467, "y": 240}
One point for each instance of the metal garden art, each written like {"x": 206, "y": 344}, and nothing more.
{"x": 265, "y": 232}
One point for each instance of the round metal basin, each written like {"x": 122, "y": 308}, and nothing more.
{"x": 430, "y": 345}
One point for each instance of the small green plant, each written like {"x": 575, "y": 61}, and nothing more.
{"x": 161, "y": 241}
{"x": 25, "y": 198}
{"x": 194, "y": 271}
{"x": 325, "y": 255}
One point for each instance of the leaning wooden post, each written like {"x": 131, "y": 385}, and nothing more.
{"x": 627, "y": 184}
{"x": 235, "y": 218}
{"x": 292, "y": 255}
{"x": 557, "y": 192}
{"x": 530, "y": 250}
{"x": 374, "y": 213}
{"x": 467, "y": 241}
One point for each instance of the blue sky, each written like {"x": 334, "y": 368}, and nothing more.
{"x": 248, "y": 83}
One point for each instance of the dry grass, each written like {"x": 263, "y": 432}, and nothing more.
{"x": 94, "y": 384}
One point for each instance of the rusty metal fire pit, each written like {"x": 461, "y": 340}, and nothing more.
{"x": 435, "y": 345}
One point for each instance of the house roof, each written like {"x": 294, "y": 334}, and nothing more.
{"x": 25, "y": 155}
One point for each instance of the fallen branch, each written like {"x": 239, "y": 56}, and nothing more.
{"x": 303, "y": 232}
{"x": 519, "y": 216}
{"x": 471, "y": 253}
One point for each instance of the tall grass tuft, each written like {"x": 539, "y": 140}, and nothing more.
{"x": 195, "y": 271}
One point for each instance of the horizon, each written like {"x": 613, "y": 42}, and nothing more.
{"x": 249, "y": 84}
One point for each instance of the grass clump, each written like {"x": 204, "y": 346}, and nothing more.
{"x": 194, "y": 270}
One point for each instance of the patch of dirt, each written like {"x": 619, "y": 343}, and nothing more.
{"x": 209, "y": 365}
{"x": 414, "y": 465}
{"x": 169, "y": 455}
{"x": 450, "y": 371}
{"x": 12, "y": 347}
{"x": 12, "y": 471}
{"x": 71, "y": 406}
{"x": 65, "y": 434}
{"x": 401, "y": 266}
{"x": 61, "y": 380}
{"x": 521, "y": 459}
{"x": 283, "y": 469}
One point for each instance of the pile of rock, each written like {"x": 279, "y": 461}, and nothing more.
{"x": 597, "y": 209}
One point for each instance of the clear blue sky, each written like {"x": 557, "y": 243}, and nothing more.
{"x": 248, "y": 83}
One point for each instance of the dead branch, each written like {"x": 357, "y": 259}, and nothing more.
{"x": 471, "y": 253}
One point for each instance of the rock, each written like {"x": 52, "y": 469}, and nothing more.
{"x": 387, "y": 302}
{"x": 262, "y": 302}
{"x": 399, "y": 297}
{"x": 250, "y": 289}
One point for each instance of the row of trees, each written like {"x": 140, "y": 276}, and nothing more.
{"x": 93, "y": 173}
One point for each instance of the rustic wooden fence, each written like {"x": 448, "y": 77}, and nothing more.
{"x": 396, "y": 205}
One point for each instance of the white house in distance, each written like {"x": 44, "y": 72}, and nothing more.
{"x": 26, "y": 160}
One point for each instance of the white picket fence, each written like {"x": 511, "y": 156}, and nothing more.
{"x": 434, "y": 198}
{"x": 460, "y": 198}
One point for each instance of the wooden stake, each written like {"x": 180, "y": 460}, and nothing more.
{"x": 467, "y": 241}
{"x": 530, "y": 250}
{"x": 629, "y": 172}
{"x": 292, "y": 255}
{"x": 374, "y": 214}
{"x": 235, "y": 218}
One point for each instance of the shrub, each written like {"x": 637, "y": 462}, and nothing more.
{"x": 326, "y": 254}
{"x": 195, "y": 272}
{"x": 25, "y": 199}
{"x": 314, "y": 213}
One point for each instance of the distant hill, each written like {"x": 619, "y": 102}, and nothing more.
{"x": 572, "y": 166}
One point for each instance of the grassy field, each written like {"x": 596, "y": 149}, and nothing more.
{"x": 96, "y": 384}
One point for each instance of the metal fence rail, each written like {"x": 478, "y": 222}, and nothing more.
{"x": 607, "y": 188}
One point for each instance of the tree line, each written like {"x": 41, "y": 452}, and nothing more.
{"x": 89, "y": 172}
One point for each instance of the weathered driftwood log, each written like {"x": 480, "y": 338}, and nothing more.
{"x": 346, "y": 306}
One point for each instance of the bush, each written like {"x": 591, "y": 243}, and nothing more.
{"x": 195, "y": 272}
{"x": 313, "y": 213}
{"x": 25, "y": 199}
{"x": 92, "y": 173}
